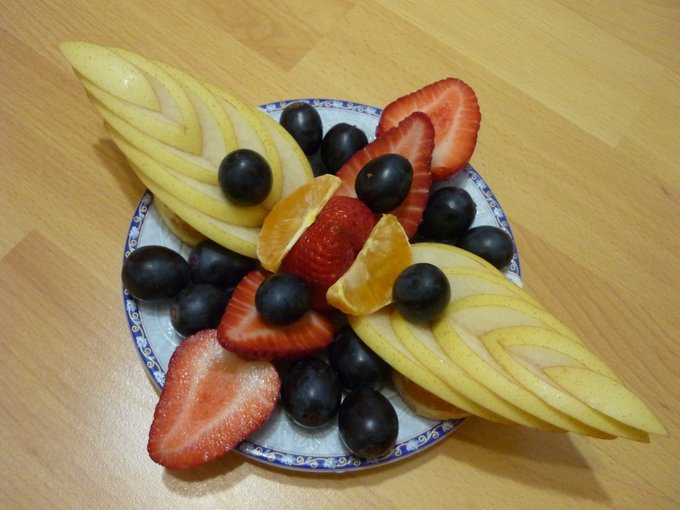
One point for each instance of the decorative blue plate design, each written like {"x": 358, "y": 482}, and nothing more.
{"x": 280, "y": 442}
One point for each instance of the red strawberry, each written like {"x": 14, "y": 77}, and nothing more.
{"x": 352, "y": 217}
{"x": 413, "y": 138}
{"x": 452, "y": 106}
{"x": 211, "y": 401}
{"x": 329, "y": 246}
{"x": 244, "y": 332}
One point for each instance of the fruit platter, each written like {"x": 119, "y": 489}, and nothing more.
{"x": 280, "y": 442}
{"x": 325, "y": 285}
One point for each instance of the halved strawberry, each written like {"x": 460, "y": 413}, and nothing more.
{"x": 452, "y": 106}
{"x": 243, "y": 331}
{"x": 351, "y": 216}
{"x": 211, "y": 401}
{"x": 412, "y": 138}
{"x": 329, "y": 246}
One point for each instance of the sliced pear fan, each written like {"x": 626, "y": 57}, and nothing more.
{"x": 466, "y": 281}
{"x": 376, "y": 331}
{"x": 530, "y": 355}
{"x": 176, "y": 130}
{"x": 420, "y": 341}
{"x": 467, "y": 350}
{"x": 205, "y": 198}
{"x": 483, "y": 312}
{"x": 174, "y": 121}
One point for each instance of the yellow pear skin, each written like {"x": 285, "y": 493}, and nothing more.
{"x": 376, "y": 331}
{"x": 526, "y": 368}
{"x": 469, "y": 352}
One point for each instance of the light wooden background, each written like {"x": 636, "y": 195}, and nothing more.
{"x": 580, "y": 135}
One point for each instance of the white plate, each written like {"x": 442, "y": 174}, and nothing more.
{"x": 279, "y": 442}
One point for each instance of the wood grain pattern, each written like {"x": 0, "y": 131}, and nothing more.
{"x": 579, "y": 141}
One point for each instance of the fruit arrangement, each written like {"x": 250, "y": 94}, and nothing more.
{"x": 334, "y": 264}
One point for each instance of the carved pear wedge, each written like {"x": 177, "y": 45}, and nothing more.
{"x": 242, "y": 240}
{"x": 607, "y": 396}
{"x": 467, "y": 281}
{"x": 524, "y": 352}
{"x": 470, "y": 353}
{"x": 481, "y": 313}
{"x": 419, "y": 340}
{"x": 376, "y": 331}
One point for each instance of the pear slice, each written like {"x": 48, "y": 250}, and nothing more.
{"x": 420, "y": 341}
{"x": 107, "y": 70}
{"x": 242, "y": 240}
{"x": 562, "y": 348}
{"x": 376, "y": 331}
{"x": 444, "y": 255}
{"x": 248, "y": 126}
{"x": 202, "y": 197}
{"x": 218, "y": 137}
{"x": 192, "y": 166}
{"x": 522, "y": 352}
{"x": 481, "y": 313}
{"x": 470, "y": 353}
{"x": 186, "y": 125}
{"x": 174, "y": 121}
{"x": 202, "y": 166}
{"x": 607, "y": 396}
{"x": 466, "y": 281}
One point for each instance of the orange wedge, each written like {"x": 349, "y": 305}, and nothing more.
{"x": 367, "y": 285}
{"x": 290, "y": 217}
{"x": 424, "y": 403}
{"x": 185, "y": 232}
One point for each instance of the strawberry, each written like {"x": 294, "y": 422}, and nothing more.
{"x": 211, "y": 401}
{"x": 351, "y": 216}
{"x": 452, "y": 106}
{"x": 413, "y": 138}
{"x": 243, "y": 331}
{"x": 329, "y": 246}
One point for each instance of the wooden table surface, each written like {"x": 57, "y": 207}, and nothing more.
{"x": 579, "y": 141}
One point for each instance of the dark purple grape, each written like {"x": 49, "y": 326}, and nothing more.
{"x": 212, "y": 263}
{"x": 154, "y": 273}
{"x": 340, "y": 144}
{"x": 245, "y": 177}
{"x": 384, "y": 182}
{"x": 198, "y": 306}
{"x": 368, "y": 423}
{"x": 449, "y": 213}
{"x": 355, "y": 363}
{"x": 282, "y": 298}
{"x": 421, "y": 292}
{"x": 304, "y": 124}
{"x": 493, "y": 244}
{"x": 317, "y": 165}
{"x": 310, "y": 392}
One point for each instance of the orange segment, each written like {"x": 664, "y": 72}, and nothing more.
{"x": 424, "y": 403}
{"x": 185, "y": 232}
{"x": 367, "y": 285}
{"x": 290, "y": 217}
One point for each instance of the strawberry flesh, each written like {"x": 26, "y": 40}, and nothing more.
{"x": 412, "y": 138}
{"x": 243, "y": 331}
{"x": 211, "y": 401}
{"x": 452, "y": 106}
{"x": 329, "y": 246}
